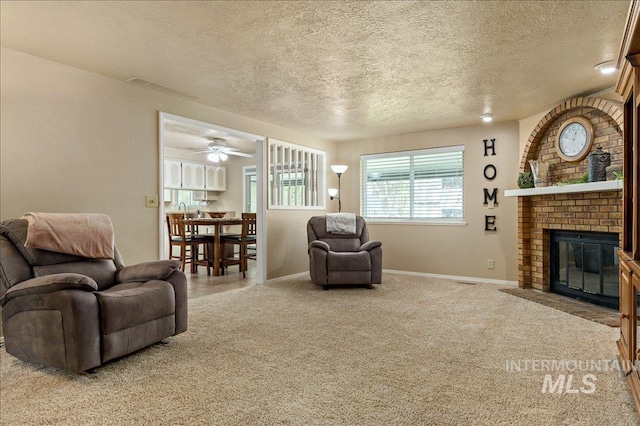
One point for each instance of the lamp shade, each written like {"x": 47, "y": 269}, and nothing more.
{"x": 213, "y": 157}
{"x": 333, "y": 192}
{"x": 339, "y": 168}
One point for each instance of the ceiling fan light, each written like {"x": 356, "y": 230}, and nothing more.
{"x": 223, "y": 156}
{"x": 213, "y": 157}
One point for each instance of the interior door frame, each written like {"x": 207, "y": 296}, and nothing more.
{"x": 261, "y": 205}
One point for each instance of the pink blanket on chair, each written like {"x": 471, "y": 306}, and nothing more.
{"x": 82, "y": 234}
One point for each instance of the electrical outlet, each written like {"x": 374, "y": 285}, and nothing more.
{"x": 151, "y": 201}
{"x": 490, "y": 264}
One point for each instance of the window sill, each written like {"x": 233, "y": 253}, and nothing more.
{"x": 460, "y": 222}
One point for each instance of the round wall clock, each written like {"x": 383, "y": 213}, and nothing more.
{"x": 575, "y": 138}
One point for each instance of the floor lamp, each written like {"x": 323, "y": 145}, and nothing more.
{"x": 338, "y": 169}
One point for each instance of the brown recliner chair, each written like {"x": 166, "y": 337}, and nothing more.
{"x": 343, "y": 259}
{"x": 76, "y": 313}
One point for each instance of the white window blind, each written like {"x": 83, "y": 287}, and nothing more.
{"x": 296, "y": 176}
{"x": 425, "y": 184}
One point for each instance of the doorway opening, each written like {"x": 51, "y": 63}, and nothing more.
{"x": 204, "y": 164}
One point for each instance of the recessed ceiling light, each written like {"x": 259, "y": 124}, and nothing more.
{"x": 487, "y": 117}
{"x": 606, "y": 67}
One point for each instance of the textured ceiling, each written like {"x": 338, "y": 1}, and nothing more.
{"x": 338, "y": 70}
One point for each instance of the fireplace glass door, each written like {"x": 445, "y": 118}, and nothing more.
{"x": 584, "y": 265}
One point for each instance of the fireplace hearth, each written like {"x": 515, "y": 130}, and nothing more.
{"x": 584, "y": 265}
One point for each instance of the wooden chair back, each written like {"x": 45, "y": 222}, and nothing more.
{"x": 175, "y": 225}
{"x": 248, "y": 225}
{"x": 248, "y": 237}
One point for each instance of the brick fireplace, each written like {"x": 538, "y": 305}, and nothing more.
{"x": 582, "y": 207}
{"x": 598, "y": 211}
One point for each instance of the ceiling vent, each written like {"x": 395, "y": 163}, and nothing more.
{"x": 159, "y": 88}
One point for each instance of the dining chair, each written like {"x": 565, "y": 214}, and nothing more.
{"x": 246, "y": 238}
{"x": 185, "y": 237}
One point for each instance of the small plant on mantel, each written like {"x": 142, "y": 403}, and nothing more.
{"x": 583, "y": 179}
{"x": 525, "y": 180}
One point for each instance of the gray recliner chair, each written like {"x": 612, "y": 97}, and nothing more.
{"x": 76, "y": 313}
{"x": 343, "y": 259}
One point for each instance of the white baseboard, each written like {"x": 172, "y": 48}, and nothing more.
{"x": 286, "y": 277}
{"x": 420, "y": 274}
{"x": 453, "y": 277}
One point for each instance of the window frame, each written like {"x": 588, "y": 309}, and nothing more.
{"x": 248, "y": 194}
{"x": 186, "y": 196}
{"x": 454, "y": 221}
{"x": 316, "y": 191}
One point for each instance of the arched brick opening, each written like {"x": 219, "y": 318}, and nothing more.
{"x": 612, "y": 109}
{"x": 539, "y": 214}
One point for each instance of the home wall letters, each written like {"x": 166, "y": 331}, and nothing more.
{"x": 490, "y": 198}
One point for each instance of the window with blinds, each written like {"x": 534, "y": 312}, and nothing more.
{"x": 296, "y": 176}
{"x": 424, "y": 185}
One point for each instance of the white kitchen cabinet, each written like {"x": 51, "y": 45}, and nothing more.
{"x": 172, "y": 174}
{"x": 193, "y": 176}
{"x": 216, "y": 178}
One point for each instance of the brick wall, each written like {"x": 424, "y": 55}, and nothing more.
{"x": 587, "y": 211}
{"x": 606, "y": 135}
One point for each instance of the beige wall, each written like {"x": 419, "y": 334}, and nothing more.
{"x": 288, "y": 241}
{"x": 449, "y": 250}
{"x": 231, "y": 199}
{"x": 74, "y": 141}
{"x": 526, "y": 126}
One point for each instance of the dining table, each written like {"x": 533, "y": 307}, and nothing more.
{"x": 218, "y": 226}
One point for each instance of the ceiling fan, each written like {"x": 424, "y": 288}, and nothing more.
{"x": 218, "y": 151}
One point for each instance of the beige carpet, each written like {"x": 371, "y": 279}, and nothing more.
{"x": 414, "y": 351}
